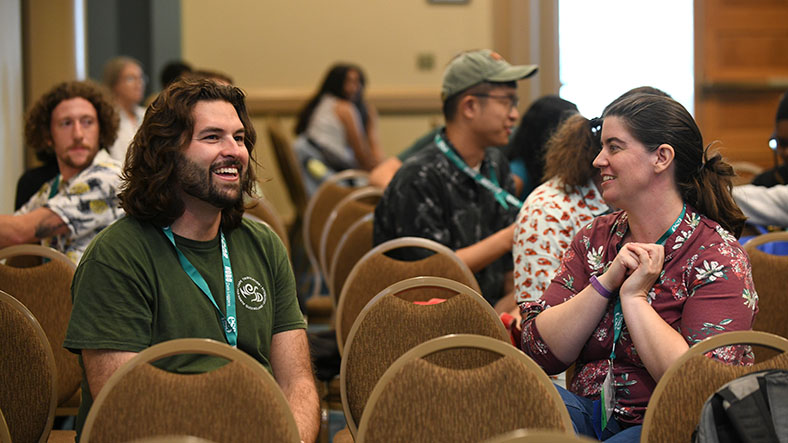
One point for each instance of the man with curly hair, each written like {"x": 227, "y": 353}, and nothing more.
{"x": 74, "y": 122}
{"x": 184, "y": 263}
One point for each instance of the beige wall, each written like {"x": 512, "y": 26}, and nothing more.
{"x": 50, "y": 48}
{"x": 281, "y": 50}
{"x": 289, "y": 44}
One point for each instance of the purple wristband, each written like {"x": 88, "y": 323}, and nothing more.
{"x": 600, "y": 288}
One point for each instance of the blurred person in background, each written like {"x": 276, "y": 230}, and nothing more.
{"x": 338, "y": 127}
{"x": 124, "y": 78}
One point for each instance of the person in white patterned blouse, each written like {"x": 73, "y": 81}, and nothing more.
{"x": 556, "y": 210}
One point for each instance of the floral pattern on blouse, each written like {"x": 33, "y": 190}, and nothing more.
{"x": 705, "y": 289}
{"x": 546, "y": 224}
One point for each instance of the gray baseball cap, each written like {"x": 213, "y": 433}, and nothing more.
{"x": 473, "y": 67}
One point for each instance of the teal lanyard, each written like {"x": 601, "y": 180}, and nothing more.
{"x": 54, "y": 187}
{"x": 618, "y": 316}
{"x": 229, "y": 324}
{"x": 490, "y": 184}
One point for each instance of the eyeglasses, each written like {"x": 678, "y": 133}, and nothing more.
{"x": 135, "y": 78}
{"x": 512, "y": 99}
{"x": 775, "y": 142}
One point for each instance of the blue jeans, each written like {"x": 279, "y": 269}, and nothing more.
{"x": 581, "y": 409}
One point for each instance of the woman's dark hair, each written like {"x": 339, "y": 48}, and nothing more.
{"x": 173, "y": 71}
{"x": 333, "y": 84}
{"x": 536, "y": 127}
{"x": 703, "y": 182}
{"x": 570, "y": 153}
{"x": 38, "y": 134}
{"x": 149, "y": 191}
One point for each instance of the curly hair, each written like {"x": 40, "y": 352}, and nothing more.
{"x": 149, "y": 190}
{"x": 38, "y": 124}
{"x": 570, "y": 153}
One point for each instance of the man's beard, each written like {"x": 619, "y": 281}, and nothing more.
{"x": 198, "y": 182}
{"x": 68, "y": 161}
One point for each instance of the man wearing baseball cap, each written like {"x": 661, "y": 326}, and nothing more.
{"x": 456, "y": 191}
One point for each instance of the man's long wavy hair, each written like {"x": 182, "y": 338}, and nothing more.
{"x": 38, "y": 125}
{"x": 150, "y": 187}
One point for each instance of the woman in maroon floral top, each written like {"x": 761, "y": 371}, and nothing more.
{"x": 668, "y": 262}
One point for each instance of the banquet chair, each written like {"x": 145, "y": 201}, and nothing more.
{"x": 526, "y": 436}
{"x": 674, "y": 409}
{"x": 375, "y": 271}
{"x": 261, "y": 209}
{"x": 288, "y": 167}
{"x": 461, "y": 388}
{"x": 27, "y": 369}
{"x": 351, "y": 208}
{"x": 51, "y": 305}
{"x": 319, "y": 207}
{"x": 770, "y": 275}
{"x": 240, "y": 401}
{"x": 171, "y": 439}
{"x": 353, "y": 244}
{"x": 374, "y": 343}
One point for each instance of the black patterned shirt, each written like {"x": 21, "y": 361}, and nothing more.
{"x": 432, "y": 198}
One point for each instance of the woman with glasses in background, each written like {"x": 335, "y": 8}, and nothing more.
{"x": 125, "y": 80}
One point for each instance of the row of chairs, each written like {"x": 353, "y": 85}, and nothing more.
{"x": 443, "y": 388}
{"x": 391, "y": 325}
{"x": 139, "y": 401}
{"x": 39, "y": 279}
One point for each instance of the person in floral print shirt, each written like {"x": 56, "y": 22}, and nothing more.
{"x": 669, "y": 259}
{"x": 558, "y": 208}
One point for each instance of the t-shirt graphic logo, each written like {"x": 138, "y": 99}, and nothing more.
{"x": 251, "y": 293}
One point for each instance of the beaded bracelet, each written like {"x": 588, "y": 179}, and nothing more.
{"x": 600, "y": 288}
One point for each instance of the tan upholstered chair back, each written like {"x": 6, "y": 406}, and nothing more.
{"x": 288, "y": 166}
{"x": 461, "y": 388}
{"x": 770, "y": 275}
{"x": 674, "y": 409}
{"x": 46, "y": 291}
{"x": 27, "y": 371}
{"x": 262, "y": 210}
{"x": 526, "y": 436}
{"x": 239, "y": 402}
{"x": 391, "y": 324}
{"x": 172, "y": 439}
{"x": 319, "y": 207}
{"x": 376, "y": 271}
{"x": 351, "y": 208}
{"x": 353, "y": 244}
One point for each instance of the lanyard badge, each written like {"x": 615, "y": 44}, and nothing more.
{"x": 607, "y": 396}
{"x": 228, "y": 319}
{"x": 503, "y": 197}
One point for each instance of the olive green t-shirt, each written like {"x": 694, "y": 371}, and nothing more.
{"x": 130, "y": 292}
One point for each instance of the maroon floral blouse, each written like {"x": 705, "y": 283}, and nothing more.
{"x": 705, "y": 288}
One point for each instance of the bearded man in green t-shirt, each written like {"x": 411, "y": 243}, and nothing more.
{"x": 159, "y": 273}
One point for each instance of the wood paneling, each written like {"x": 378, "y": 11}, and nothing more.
{"x": 741, "y": 72}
